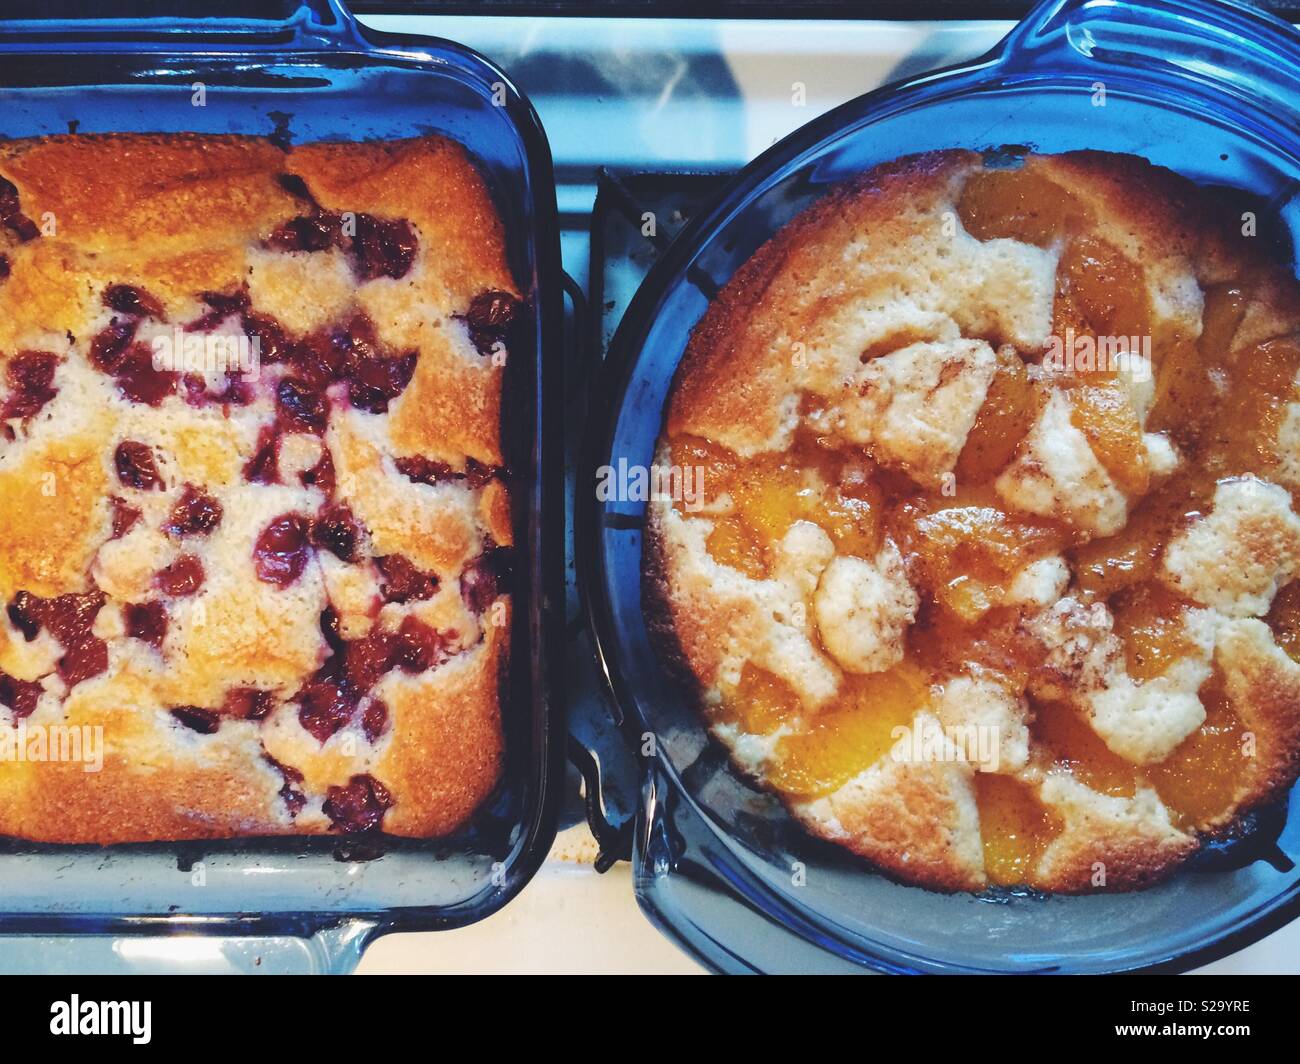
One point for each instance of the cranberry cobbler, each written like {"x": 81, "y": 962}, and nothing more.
{"x": 254, "y": 525}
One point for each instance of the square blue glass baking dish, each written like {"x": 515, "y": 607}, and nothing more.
{"x": 1206, "y": 88}
{"x": 310, "y": 73}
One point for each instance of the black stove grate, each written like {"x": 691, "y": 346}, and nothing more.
{"x": 633, "y": 220}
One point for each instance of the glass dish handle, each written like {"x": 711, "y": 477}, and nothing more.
{"x": 307, "y": 23}
{"x": 333, "y": 950}
{"x": 1214, "y": 46}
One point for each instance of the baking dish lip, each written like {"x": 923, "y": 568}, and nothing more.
{"x": 322, "y": 33}
{"x": 1025, "y": 55}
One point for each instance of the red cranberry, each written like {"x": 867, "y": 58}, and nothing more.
{"x": 324, "y": 707}
{"x": 136, "y": 467}
{"x": 139, "y": 381}
{"x": 11, "y": 215}
{"x": 203, "y": 721}
{"x": 403, "y": 582}
{"x": 307, "y": 232}
{"x": 428, "y": 471}
{"x": 195, "y": 389}
{"x": 382, "y": 248}
{"x": 321, "y": 475}
{"x": 272, "y": 345}
{"x": 376, "y": 381}
{"x": 146, "y": 621}
{"x": 221, "y": 305}
{"x": 183, "y": 577}
{"x": 24, "y": 228}
{"x": 478, "y": 475}
{"x": 280, "y": 554}
{"x": 295, "y": 186}
{"x": 263, "y": 467}
{"x": 336, "y": 530}
{"x": 87, "y": 656}
{"x": 107, "y": 348}
{"x": 374, "y": 720}
{"x": 491, "y": 316}
{"x": 248, "y": 703}
{"x": 20, "y": 696}
{"x": 227, "y": 302}
{"x": 363, "y": 338}
{"x": 195, "y": 513}
{"x": 9, "y": 205}
{"x": 69, "y": 619}
{"x": 329, "y": 628}
{"x": 366, "y": 660}
{"x": 425, "y": 470}
{"x": 353, "y": 355}
{"x": 485, "y": 578}
{"x": 360, "y": 806}
{"x": 127, "y": 299}
{"x": 324, "y": 357}
{"x": 25, "y": 613}
{"x": 419, "y": 647}
{"x": 302, "y": 406}
{"x": 235, "y": 392}
{"x": 294, "y": 799}
{"x": 124, "y": 516}
{"x": 31, "y": 376}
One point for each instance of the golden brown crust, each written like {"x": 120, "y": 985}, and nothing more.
{"x": 1113, "y": 860}
{"x": 691, "y": 626}
{"x": 452, "y": 408}
{"x": 222, "y": 796}
{"x": 163, "y": 193}
{"x": 428, "y": 180}
{"x": 51, "y": 502}
{"x": 451, "y": 752}
{"x": 666, "y": 635}
{"x": 1108, "y": 842}
{"x": 1263, "y": 685}
{"x": 739, "y": 367}
{"x": 403, "y": 518}
{"x": 916, "y": 820}
{"x": 44, "y": 288}
{"x": 178, "y": 216}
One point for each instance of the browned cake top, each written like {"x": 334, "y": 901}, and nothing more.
{"x": 990, "y": 567}
{"x": 253, "y": 524}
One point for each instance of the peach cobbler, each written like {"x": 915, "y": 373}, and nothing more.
{"x": 995, "y": 576}
{"x": 254, "y": 528}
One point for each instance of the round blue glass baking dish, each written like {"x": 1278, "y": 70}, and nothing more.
{"x": 309, "y": 72}
{"x": 1209, "y": 89}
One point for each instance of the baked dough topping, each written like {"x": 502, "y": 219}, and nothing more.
{"x": 254, "y": 530}
{"x": 994, "y": 580}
